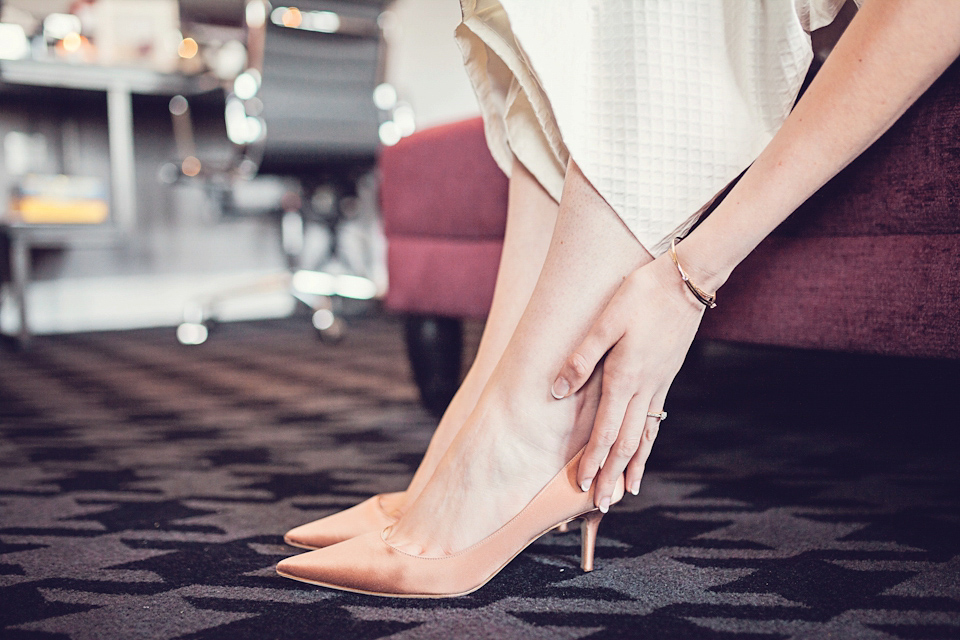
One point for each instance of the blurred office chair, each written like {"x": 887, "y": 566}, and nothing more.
{"x": 300, "y": 111}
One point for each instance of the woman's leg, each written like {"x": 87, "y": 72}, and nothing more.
{"x": 531, "y": 216}
{"x": 519, "y": 437}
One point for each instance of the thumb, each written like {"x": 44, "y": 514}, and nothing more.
{"x": 579, "y": 366}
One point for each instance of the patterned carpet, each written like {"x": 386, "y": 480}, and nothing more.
{"x": 144, "y": 488}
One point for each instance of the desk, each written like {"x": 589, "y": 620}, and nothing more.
{"x": 119, "y": 84}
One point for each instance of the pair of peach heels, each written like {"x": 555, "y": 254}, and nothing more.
{"x": 351, "y": 553}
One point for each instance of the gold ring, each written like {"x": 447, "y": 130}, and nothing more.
{"x": 659, "y": 416}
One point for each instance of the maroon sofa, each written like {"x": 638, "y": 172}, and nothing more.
{"x": 871, "y": 263}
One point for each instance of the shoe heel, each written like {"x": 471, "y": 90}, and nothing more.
{"x": 588, "y": 538}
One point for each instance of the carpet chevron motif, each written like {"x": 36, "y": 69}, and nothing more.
{"x": 144, "y": 489}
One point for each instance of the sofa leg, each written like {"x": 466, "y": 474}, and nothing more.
{"x": 435, "y": 348}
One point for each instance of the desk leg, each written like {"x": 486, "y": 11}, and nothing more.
{"x": 20, "y": 274}
{"x": 123, "y": 174}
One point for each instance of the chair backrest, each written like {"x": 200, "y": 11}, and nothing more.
{"x": 317, "y": 87}
{"x": 318, "y": 65}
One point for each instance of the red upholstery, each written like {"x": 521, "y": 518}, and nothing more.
{"x": 444, "y": 203}
{"x": 442, "y": 182}
{"x": 887, "y": 294}
{"x": 442, "y": 276}
{"x": 870, "y": 263}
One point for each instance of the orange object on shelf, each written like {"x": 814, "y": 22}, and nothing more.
{"x": 59, "y": 199}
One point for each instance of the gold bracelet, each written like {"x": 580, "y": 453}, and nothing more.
{"x": 706, "y": 299}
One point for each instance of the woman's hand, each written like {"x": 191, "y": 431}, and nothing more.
{"x": 645, "y": 332}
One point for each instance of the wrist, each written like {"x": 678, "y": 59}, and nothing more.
{"x": 690, "y": 277}
{"x": 701, "y": 270}
{"x": 670, "y": 280}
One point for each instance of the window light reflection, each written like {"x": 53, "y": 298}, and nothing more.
{"x": 188, "y": 48}
{"x": 246, "y": 85}
{"x": 72, "y": 42}
{"x": 319, "y": 21}
{"x": 390, "y": 133}
{"x": 385, "y": 96}
{"x": 56, "y": 26}
{"x": 326, "y": 284}
{"x": 406, "y": 122}
{"x": 13, "y": 42}
{"x": 190, "y": 167}
{"x": 241, "y": 128}
{"x": 256, "y": 13}
{"x": 292, "y": 18}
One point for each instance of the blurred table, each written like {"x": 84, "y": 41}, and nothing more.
{"x": 119, "y": 85}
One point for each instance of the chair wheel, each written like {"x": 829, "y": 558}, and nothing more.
{"x": 330, "y": 328}
{"x": 192, "y": 333}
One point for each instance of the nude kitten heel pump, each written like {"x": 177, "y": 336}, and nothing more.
{"x": 368, "y": 564}
{"x": 369, "y": 515}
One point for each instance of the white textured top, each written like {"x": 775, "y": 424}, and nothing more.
{"x": 660, "y": 102}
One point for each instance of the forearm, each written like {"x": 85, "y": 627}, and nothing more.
{"x": 891, "y": 52}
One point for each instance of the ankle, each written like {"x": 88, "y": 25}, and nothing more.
{"x": 537, "y": 418}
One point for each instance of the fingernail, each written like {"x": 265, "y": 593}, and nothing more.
{"x": 585, "y": 485}
{"x": 635, "y": 488}
{"x": 560, "y": 389}
{"x": 605, "y": 505}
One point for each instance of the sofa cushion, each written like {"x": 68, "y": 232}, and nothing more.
{"x": 442, "y": 276}
{"x": 873, "y": 294}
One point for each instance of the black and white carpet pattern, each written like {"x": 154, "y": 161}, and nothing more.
{"x": 144, "y": 489}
